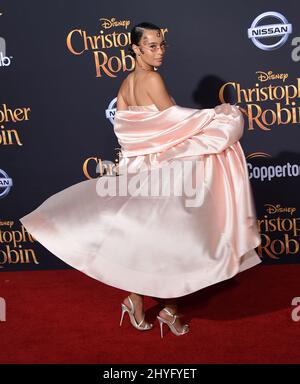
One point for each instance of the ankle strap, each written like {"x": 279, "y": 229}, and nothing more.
{"x": 170, "y": 313}
{"x": 131, "y": 303}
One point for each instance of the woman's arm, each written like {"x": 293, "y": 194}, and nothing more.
{"x": 157, "y": 91}
{"x": 121, "y": 103}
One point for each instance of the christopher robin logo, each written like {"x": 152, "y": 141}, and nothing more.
{"x": 279, "y": 232}
{"x": 274, "y": 89}
{"x": 108, "y": 46}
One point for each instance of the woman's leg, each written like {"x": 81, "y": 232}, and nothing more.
{"x": 138, "y": 301}
{"x": 172, "y": 306}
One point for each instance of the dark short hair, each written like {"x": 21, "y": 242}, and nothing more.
{"x": 136, "y": 34}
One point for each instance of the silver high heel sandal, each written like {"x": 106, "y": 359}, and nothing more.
{"x": 132, "y": 318}
{"x": 170, "y": 324}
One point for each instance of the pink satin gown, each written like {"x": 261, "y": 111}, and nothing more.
{"x": 160, "y": 245}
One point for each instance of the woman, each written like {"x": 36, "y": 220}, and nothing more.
{"x": 158, "y": 244}
{"x": 142, "y": 87}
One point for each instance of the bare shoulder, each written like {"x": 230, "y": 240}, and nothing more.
{"x": 157, "y": 91}
{"x": 124, "y": 84}
{"x": 124, "y": 87}
{"x": 121, "y": 98}
{"x": 155, "y": 83}
{"x": 155, "y": 78}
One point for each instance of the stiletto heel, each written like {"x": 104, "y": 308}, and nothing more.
{"x": 163, "y": 321}
{"x": 131, "y": 313}
{"x": 123, "y": 307}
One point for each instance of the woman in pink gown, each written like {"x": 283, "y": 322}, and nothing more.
{"x": 178, "y": 213}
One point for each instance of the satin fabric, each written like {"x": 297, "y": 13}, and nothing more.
{"x": 156, "y": 244}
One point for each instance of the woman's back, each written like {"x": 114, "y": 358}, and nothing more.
{"x": 134, "y": 89}
{"x": 143, "y": 88}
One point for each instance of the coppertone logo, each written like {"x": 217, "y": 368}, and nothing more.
{"x": 267, "y": 173}
{"x": 259, "y": 33}
{"x": 5, "y": 184}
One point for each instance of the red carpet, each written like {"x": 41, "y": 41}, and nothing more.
{"x": 64, "y": 316}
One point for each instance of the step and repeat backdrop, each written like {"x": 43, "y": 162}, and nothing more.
{"x": 62, "y": 63}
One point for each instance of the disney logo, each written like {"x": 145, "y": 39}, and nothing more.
{"x": 6, "y": 223}
{"x": 106, "y": 23}
{"x": 278, "y": 209}
{"x": 264, "y": 76}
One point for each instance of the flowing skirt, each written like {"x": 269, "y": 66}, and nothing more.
{"x": 161, "y": 244}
